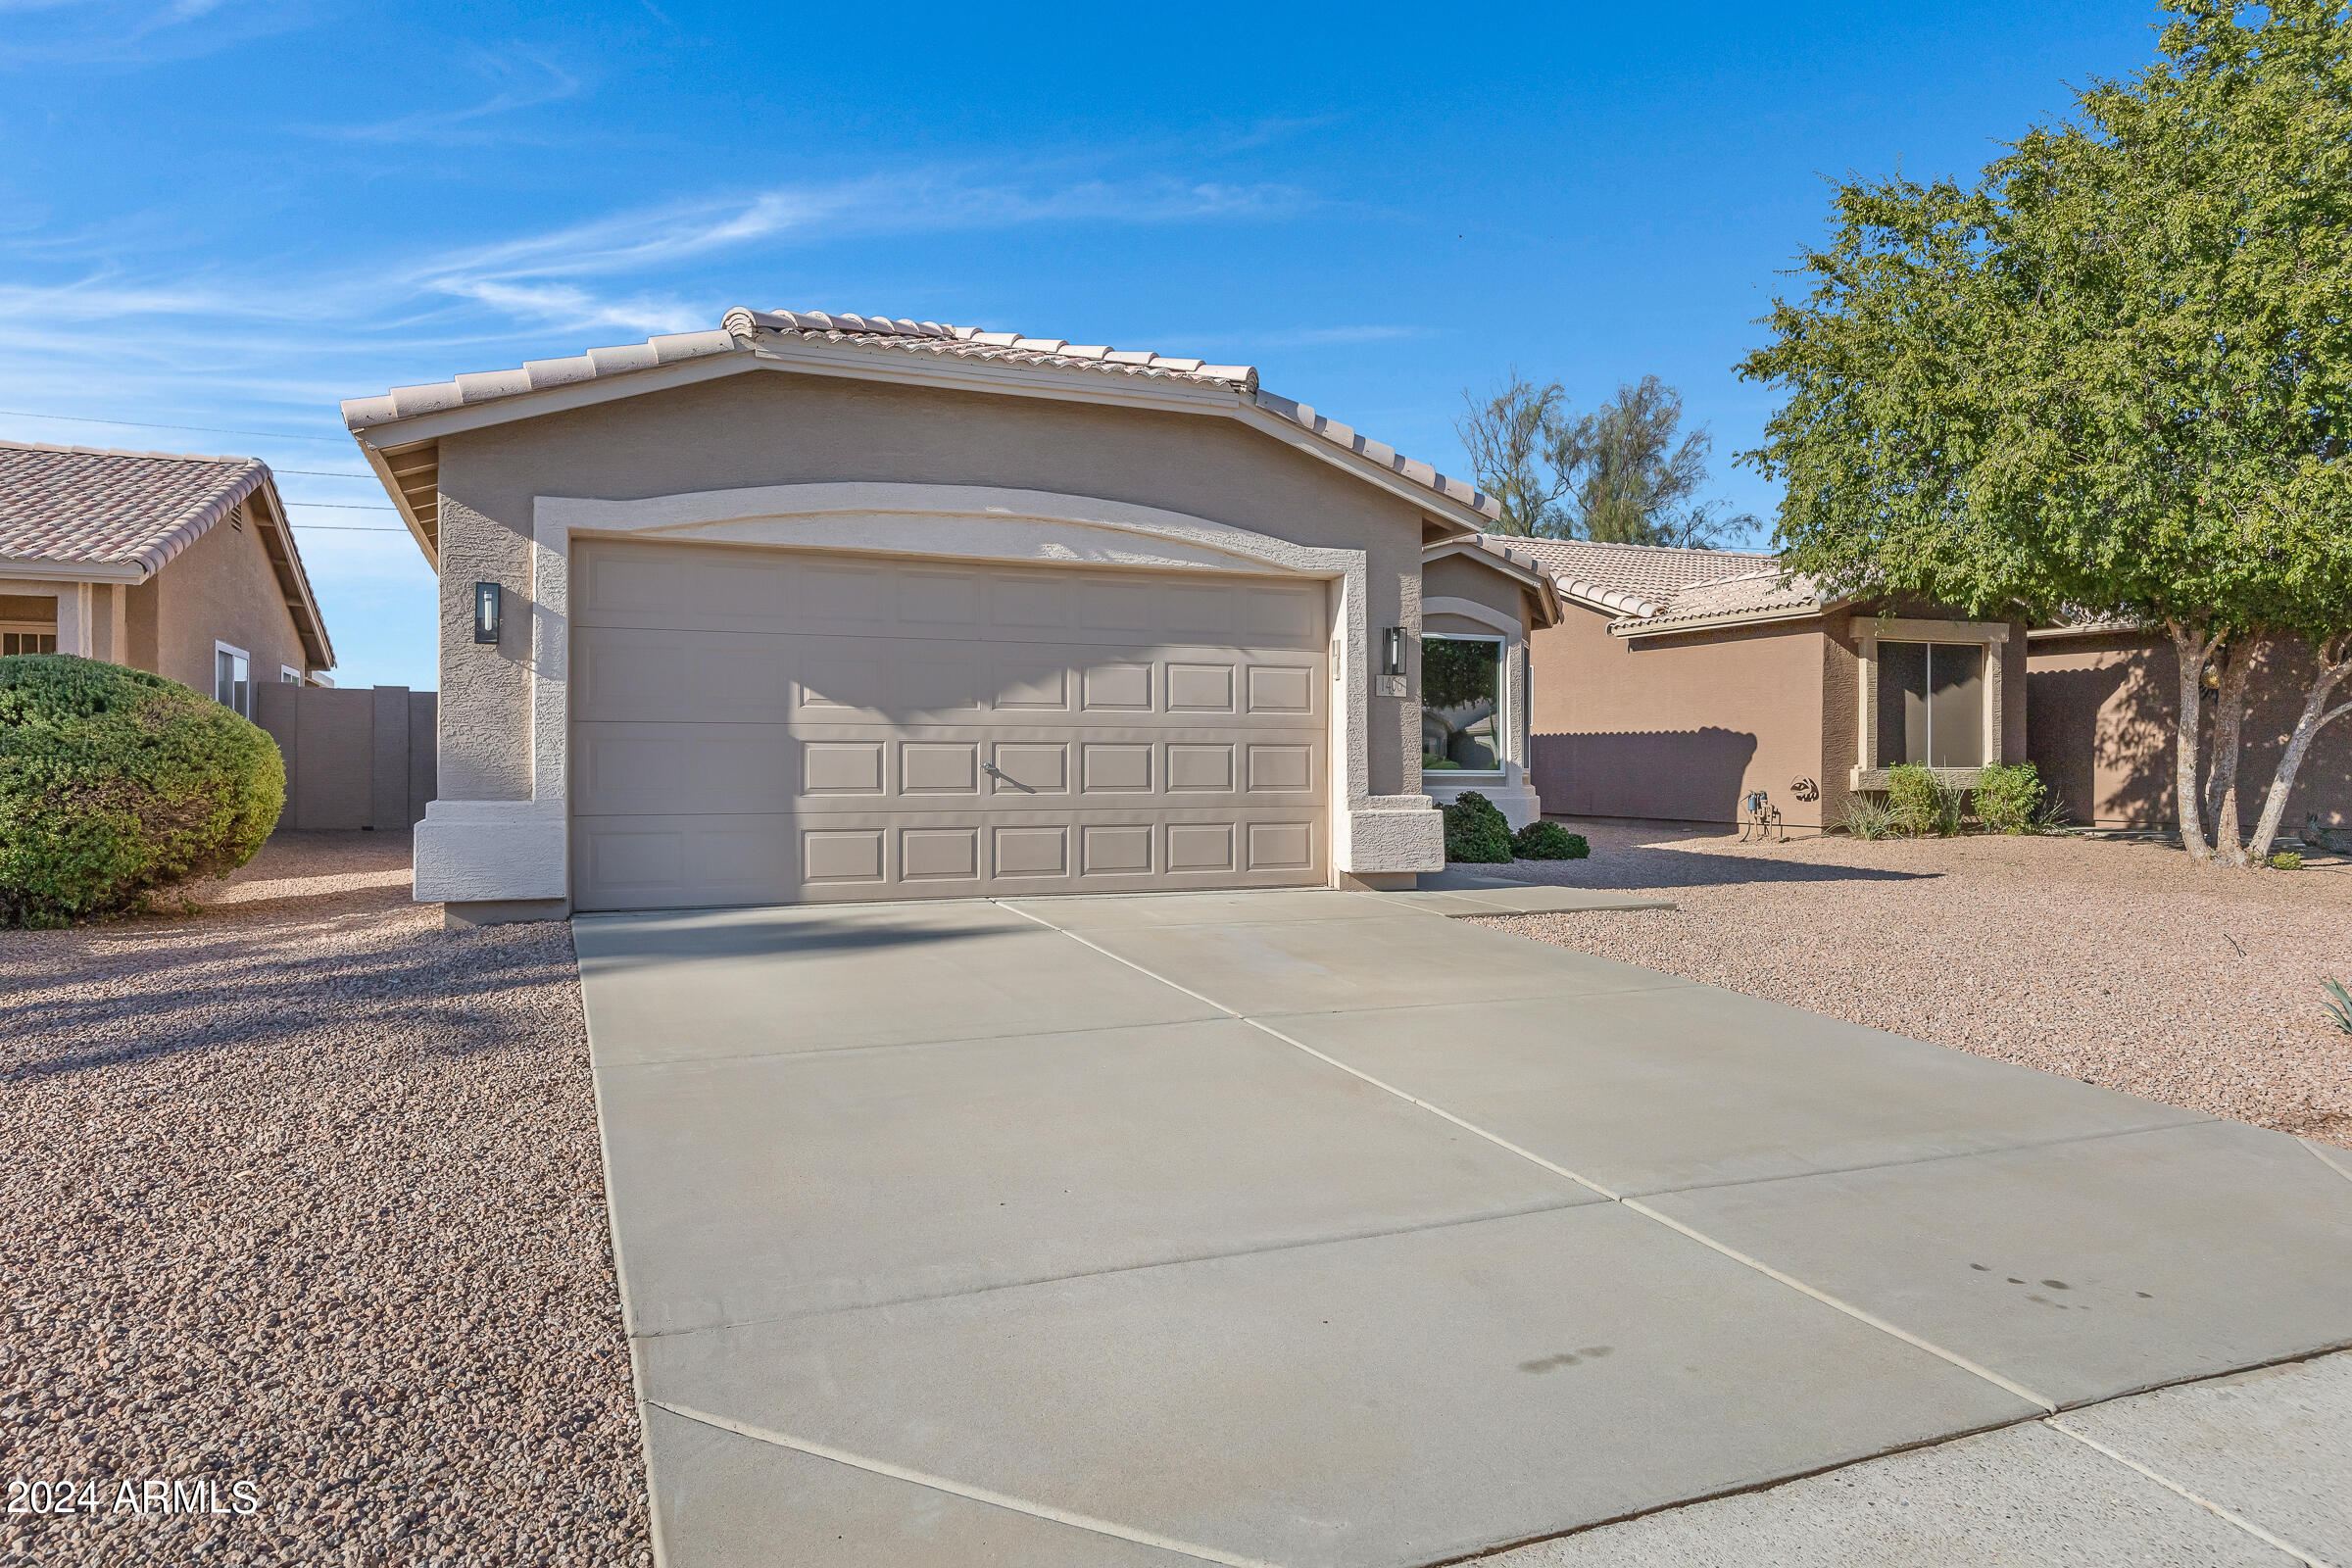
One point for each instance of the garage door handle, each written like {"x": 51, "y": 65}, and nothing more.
{"x": 993, "y": 771}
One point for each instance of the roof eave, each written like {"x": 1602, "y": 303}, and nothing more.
{"x": 1369, "y": 461}
{"x": 40, "y": 568}
{"x": 1751, "y": 618}
{"x": 1534, "y": 578}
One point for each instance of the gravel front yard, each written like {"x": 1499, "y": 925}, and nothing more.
{"x": 2116, "y": 962}
{"x": 306, "y": 1192}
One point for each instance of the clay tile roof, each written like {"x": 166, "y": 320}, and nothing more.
{"x": 1751, "y": 593}
{"x": 88, "y": 507}
{"x": 747, "y": 331}
{"x": 1634, "y": 579}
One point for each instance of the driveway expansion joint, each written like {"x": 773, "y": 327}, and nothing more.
{"x": 997, "y": 1499}
{"x": 1870, "y": 1319}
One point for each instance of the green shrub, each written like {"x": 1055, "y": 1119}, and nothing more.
{"x": 1439, "y": 764}
{"x": 113, "y": 781}
{"x": 1923, "y": 803}
{"x": 1549, "y": 841}
{"x": 2008, "y": 800}
{"x": 2286, "y": 860}
{"x": 1869, "y": 819}
{"x": 1475, "y": 832}
{"x": 2338, "y": 1005}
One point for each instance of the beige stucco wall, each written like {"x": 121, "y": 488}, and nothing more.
{"x": 222, "y": 587}
{"x": 2100, "y": 729}
{"x": 780, "y": 428}
{"x": 1461, "y": 578}
{"x": 1675, "y": 728}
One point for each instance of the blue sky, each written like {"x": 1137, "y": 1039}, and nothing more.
{"x": 235, "y": 213}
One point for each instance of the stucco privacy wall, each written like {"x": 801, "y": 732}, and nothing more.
{"x": 2100, "y": 729}
{"x": 777, "y": 429}
{"x": 1675, "y": 728}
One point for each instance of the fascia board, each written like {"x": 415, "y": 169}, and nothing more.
{"x": 34, "y": 568}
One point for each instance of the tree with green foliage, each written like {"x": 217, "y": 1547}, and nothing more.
{"x": 113, "y": 781}
{"x": 2113, "y": 378}
{"x": 1626, "y": 473}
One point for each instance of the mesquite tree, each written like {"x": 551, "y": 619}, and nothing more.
{"x": 2113, "y": 378}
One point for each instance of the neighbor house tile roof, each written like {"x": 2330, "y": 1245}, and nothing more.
{"x": 1657, "y": 586}
{"x": 86, "y": 507}
{"x": 746, "y": 331}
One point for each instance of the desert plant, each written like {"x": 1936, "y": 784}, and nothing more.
{"x": 113, "y": 781}
{"x": 2052, "y": 818}
{"x": 2339, "y": 1004}
{"x": 1923, "y": 803}
{"x": 2008, "y": 799}
{"x": 2286, "y": 860}
{"x": 1549, "y": 841}
{"x": 1868, "y": 817}
{"x": 1476, "y": 833}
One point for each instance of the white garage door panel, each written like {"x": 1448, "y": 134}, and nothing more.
{"x": 752, "y": 727}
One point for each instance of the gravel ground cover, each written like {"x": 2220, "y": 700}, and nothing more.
{"x": 303, "y": 1192}
{"x": 2113, "y": 961}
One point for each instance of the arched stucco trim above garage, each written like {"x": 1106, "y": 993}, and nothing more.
{"x": 516, "y": 851}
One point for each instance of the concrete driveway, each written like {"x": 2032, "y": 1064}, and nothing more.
{"x": 1311, "y": 1228}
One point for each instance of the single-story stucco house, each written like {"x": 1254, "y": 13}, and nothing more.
{"x": 1480, "y": 602}
{"x": 1679, "y": 681}
{"x": 820, "y": 607}
{"x": 2101, "y": 717}
{"x": 181, "y": 565}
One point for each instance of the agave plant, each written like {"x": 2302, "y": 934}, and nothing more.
{"x": 2338, "y": 1005}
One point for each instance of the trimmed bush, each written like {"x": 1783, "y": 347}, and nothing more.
{"x": 1922, "y": 804}
{"x": 113, "y": 781}
{"x": 2286, "y": 860}
{"x": 2008, "y": 800}
{"x": 1476, "y": 833}
{"x": 1549, "y": 841}
{"x": 1439, "y": 764}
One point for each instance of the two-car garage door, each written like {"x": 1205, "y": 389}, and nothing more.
{"x": 765, "y": 726}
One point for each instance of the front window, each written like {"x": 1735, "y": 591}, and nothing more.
{"x": 1931, "y": 704}
{"x": 232, "y": 678}
{"x": 1461, "y": 705}
{"x": 28, "y": 640}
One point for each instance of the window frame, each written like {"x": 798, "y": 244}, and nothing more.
{"x": 35, "y": 629}
{"x": 1503, "y": 706}
{"x": 1991, "y": 636}
{"x": 288, "y": 676}
{"x": 219, "y": 648}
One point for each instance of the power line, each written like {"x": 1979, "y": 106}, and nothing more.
{"x": 325, "y": 473}
{"x": 344, "y": 527}
{"x": 341, "y": 506}
{"x": 138, "y": 425}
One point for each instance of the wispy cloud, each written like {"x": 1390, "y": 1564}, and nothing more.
{"x": 134, "y": 33}
{"x": 527, "y": 82}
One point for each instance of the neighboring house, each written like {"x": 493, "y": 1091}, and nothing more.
{"x": 830, "y": 607}
{"x": 1679, "y": 681}
{"x": 182, "y": 566}
{"x": 2101, "y": 723}
{"x": 1481, "y": 601}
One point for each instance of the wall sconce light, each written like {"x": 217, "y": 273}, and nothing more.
{"x": 487, "y": 612}
{"x": 1392, "y": 651}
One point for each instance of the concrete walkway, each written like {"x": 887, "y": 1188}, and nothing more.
{"x": 1310, "y": 1228}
